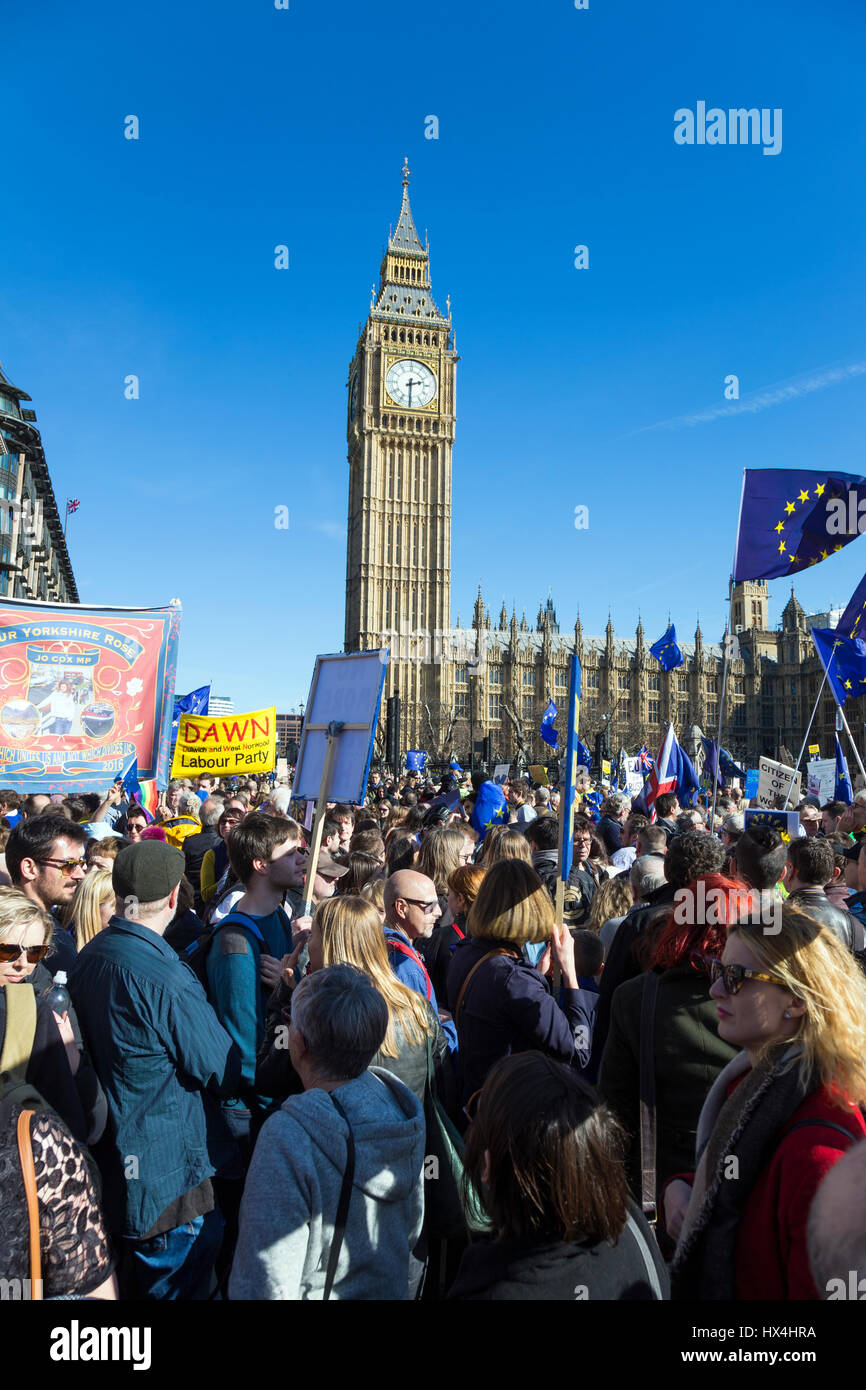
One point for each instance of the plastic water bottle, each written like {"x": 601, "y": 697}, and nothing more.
{"x": 57, "y": 994}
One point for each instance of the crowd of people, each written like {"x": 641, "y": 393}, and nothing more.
{"x": 399, "y": 1072}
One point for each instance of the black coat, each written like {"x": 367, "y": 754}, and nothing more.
{"x": 195, "y": 847}
{"x": 621, "y": 964}
{"x": 519, "y": 1272}
{"x": 610, "y": 831}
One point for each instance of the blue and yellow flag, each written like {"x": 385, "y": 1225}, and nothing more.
{"x": 844, "y": 660}
{"x": 791, "y": 519}
{"x": 566, "y": 826}
{"x": 666, "y": 651}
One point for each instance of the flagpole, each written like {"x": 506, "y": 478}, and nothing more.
{"x": 712, "y": 824}
{"x": 805, "y": 740}
{"x": 853, "y": 744}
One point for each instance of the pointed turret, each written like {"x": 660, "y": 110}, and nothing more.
{"x": 479, "y": 613}
{"x": 404, "y": 275}
{"x": 503, "y": 618}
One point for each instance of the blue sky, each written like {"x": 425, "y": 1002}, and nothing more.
{"x": 260, "y": 127}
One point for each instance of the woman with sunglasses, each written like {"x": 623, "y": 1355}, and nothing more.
{"x": 672, "y": 1030}
{"x": 59, "y": 1067}
{"x": 779, "y": 1116}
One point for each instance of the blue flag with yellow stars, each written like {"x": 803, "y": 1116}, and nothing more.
{"x": 786, "y": 822}
{"x": 489, "y": 810}
{"x": 666, "y": 651}
{"x": 791, "y": 519}
{"x": 853, "y": 621}
{"x": 728, "y": 767}
{"x": 548, "y": 733}
{"x": 583, "y": 755}
{"x": 843, "y": 790}
{"x": 844, "y": 660}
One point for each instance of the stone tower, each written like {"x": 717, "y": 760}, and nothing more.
{"x": 400, "y": 429}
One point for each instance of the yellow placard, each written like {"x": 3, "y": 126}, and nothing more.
{"x": 814, "y": 748}
{"x": 605, "y": 767}
{"x": 225, "y": 747}
{"x": 538, "y": 773}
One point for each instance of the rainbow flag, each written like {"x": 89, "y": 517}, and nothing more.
{"x": 148, "y": 797}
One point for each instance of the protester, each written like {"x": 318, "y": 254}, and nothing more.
{"x": 667, "y": 809}
{"x": 196, "y": 846}
{"x": 500, "y": 1002}
{"x": 288, "y": 1247}
{"x": 505, "y": 842}
{"x": 615, "y": 810}
{"x": 547, "y": 1155}
{"x": 347, "y": 930}
{"x": 831, "y": 814}
{"x": 92, "y": 908}
{"x": 675, "y": 1035}
{"x": 809, "y": 869}
{"x": 612, "y": 901}
{"x": 45, "y": 860}
{"x": 437, "y": 949}
{"x": 786, "y": 1108}
{"x": 836, "y": 1232}
{"x": 156, "y": 1046}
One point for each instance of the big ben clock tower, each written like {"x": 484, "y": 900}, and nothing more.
{"x": 400, "y": 431}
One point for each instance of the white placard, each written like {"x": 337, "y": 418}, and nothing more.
{"x": 774, "y": 784}
{"x": 821, "y": 773}
{"x": 500, "y": 773}
{"x": 347, "y": 688}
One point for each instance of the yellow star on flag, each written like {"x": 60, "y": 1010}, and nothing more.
{"x": 837, "y": 547}
{"x": 823, "y": 554}
{"x": 804, "y": 496}
{"x": 780, "y": 527}
{"x": 795, "y": 559}
{"x": 847, "y": 685}
{"x": 785, "y": 836}
{"x": 781, "y": 546}
{"x": 790, "y": 507}
{"x": 820, "y": 489}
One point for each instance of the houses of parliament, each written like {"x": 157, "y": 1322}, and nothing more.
{"x": 494, "y": 679}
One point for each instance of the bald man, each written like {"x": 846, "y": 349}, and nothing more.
{"x": 411, "y": 912}
{"x": 836, "y": 1233}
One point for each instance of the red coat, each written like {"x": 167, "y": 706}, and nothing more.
{"x": 772, "y": 1260}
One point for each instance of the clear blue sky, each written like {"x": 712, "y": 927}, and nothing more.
{"x": 261, "y": 127}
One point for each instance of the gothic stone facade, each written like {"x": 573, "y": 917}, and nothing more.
{"x": 497, "y": 679}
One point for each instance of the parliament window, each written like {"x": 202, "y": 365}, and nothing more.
{"x": 528, "y": 703}
{"x": 652, "y": 711}
{"x": 682, "y": 682}
{"x": 461, "y": 704}
{"x": 495, "y": 675}
{"x": 529, "y": 679}
{"x": 461, "y": 675}
{"x": 592, "y": 680}
{"x": 712, "y": 685}
{"x": 739, "y": 686}
{"x": 494, "y": 706}
{"x": 624, "y": 682}
{"x": 654, "y": 682}
{"x": 560, "y": 680}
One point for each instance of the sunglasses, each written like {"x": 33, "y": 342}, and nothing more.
{"x": 10, "y": 950}
{"x": 733, "y": 977}
{"x": 66, "y": 866}
{"x": 419, "y": 902}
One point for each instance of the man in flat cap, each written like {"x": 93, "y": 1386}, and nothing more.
{"x": 157, "y": 1046}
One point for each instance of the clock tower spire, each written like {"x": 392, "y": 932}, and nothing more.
{"x": 400, "y": 431}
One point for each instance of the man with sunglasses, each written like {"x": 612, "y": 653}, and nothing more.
{"x": 45, "y": 859}
{"x": 411, "y": 912}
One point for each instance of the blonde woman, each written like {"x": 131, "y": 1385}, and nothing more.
{"x": 500, "y": 1002}
{"x": 59, "y": 1067}
{"x": 505, "y": 842}
{"x": 93, "y": 905}
{"x": 779, "y": 1115}
{"x": 442, "y": 850}
{"x": 347, "y": 931}
{"x": 611, "y": 902}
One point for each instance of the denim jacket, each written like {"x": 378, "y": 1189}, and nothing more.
{"x": 156, "y": 1045}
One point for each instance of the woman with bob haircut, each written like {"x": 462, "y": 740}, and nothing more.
{"x": 678, "y": 1033}
{"x": 93, "y": 905}
{"x": 778, "y": 1117}
{"x": 348, "y": 931}
{"x": 547, "y": 1156}
{"x": 504, "y": 842}
{"x": 500, "y": 1002}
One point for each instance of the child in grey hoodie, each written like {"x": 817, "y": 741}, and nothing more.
{"x": 292, "y": 1191}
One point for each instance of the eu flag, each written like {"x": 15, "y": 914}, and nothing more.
{"x": 130, "y": 779}
{"x": 489, "y": 808}
{"x": 844, "y": 660}
{"x": 728, "y": 767}
{"x": 711, "y": 760}
{"x": 583, "y": 756}
{"x": 791, "y": 519}
{"x": 196, "y": 702}
{"x": 851, "y": 622}
{"x": 415, "y": 760}
{"x": 688, "y": 783}
{"x": 548, "y": 733}
{"x": 666, "y": 651}
{"x": 844, "y": 791}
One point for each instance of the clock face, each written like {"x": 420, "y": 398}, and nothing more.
{"x": 353, "y": 398}
{"x": 410, "y": 383}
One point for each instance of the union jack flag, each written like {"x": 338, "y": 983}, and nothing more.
{"x": 72, "y": 504}
{"x": 646, "y": 762}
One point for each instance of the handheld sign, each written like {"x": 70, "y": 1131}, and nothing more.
{"x": 786, "y": 822}
{"x": 337, "y": 739}
{"x": 777, "y": 784}
{"x": 751, "y": 787}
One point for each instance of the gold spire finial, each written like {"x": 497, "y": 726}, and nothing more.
{"x": 406, "y": 171}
